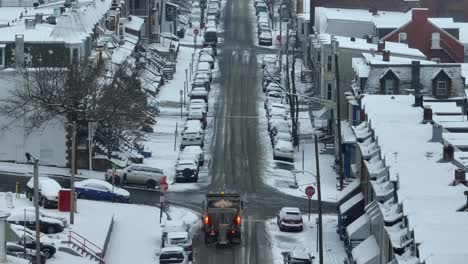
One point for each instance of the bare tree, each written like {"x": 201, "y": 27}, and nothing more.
{"x": 82, "y": 92}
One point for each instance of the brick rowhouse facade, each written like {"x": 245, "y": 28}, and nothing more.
{"x": 420, "y": 35}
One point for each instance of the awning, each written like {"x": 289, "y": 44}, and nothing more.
{"x": 360, "y": 229}
{"x": 367, "y": 252}
{"x": 349, "y": 191}
{"x": 345, "y": 207}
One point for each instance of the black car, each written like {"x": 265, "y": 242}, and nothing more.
{"x": 27, "y": 218}
{"x": 48, "y": 250}
{"x": 20, "y": 252}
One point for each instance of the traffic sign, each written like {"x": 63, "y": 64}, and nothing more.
{"x": 163, "y": 186}
{"x": 309, "y": 191}
{"x": 196, "y": 31}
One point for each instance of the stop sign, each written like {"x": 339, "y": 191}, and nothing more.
{"x": 163, "y": 186}
{"x": 195, "y": 31}
{"x": 309, "y": 191}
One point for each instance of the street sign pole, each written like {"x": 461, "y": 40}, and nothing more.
{"x": 161, "y": 200}
{"x": 309, "y": 191}
{"x": 309, "y": 209}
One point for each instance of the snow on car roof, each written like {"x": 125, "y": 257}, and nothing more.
{"x": 47, "y": 185}
{"x": 291, "y": 209}
{"x": 171, "y": 249}
{"x": 192, "y": 149}
{"x": 177, "y": 235}
{"x": 282, "y": 144}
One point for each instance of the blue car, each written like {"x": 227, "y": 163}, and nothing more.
{"x": 100, "y": 190}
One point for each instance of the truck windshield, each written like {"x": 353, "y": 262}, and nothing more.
{"x": 167, "y": 258}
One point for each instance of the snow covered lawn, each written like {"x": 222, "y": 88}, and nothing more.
{"x": 333, "y": 248}
{"x": 27, "y": 170}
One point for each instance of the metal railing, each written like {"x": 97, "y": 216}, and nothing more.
{"x": 86, "y": 246}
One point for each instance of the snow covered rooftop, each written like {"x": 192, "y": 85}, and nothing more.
{"x": 361, "y": 44}
{"x": 383, "y": 19}
{"x": 73, "y": 26}
{"x": 377, "y": 59}
{"x": 425, "y": 190}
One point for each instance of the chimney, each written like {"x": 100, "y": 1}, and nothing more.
{"x": 419, "y": 14}
{"x": 30, "y": 23}
{"x": 380, "y": 46}
{"x": 427, "y": 116}
{"x": 415, "y": 74}
{"x": 369, "y": 38}
{"x": 418, "y": 100}
{"x": 460, "y": 176}
{"x": 437, "y": 131}
{"x": 353, "y": 39}
{"x": 19, "y": 49}
{"x": 448, "y": 152}
{"x": 3, "y": 233}
{"x": 373, "y": 10}
{"x": 386, "y": 55}
{"x": 38, "y": 18}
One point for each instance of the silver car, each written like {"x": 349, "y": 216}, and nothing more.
{"x": 136, "y": 174}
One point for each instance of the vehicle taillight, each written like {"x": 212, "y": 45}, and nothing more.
{"x": 238, "y": 220}
{"x": 233, "y": 232}
{"x": 206, "y": 219}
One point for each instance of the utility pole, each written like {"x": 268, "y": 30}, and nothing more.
{"x": 338, "y": 118}
{"x": 319, "y": 197}
{"x": 36, "y": 207}
{"x": 72, "y": 178}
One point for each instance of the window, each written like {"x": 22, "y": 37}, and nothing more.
{"x": 435, "y": 40}
{"x": 302, "y": 28}
{"x": 329, "y": 63}
{"x": 329, "y": 91}
{"x": 2, "y": 63}
{"x": 75, "y": 55}
{"x": 403, "y": 37}
{"x": 441, "y": 88}
{"x": 389, "y": 86}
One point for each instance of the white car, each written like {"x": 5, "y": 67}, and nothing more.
{"x": 279, "y": 125}
{"x": 48, "y": 191}
{"x": 197, "y": 151}
{"x": 199, "y": 102}
{"x": 197, "y": 114}
{"x": 265, "y": 38}
{"x": 199, "y": 93}
{"x": 211, "y": 23}
{"x": 192, "y": 124}
{"x": 172, "y": 226}
{"x": 204, "y": 67}
{"x": 181, "y": 239}
{"x": 271, "y": 100}
{"x": 210, "y": 51}
{"x": 281, "y": 136}
{"x": 192, "y": 136}
{"x": 283, "y": 150}
{"x": 290, "y": 218}
{"x": 197, "y": 108}
{"x": 47, "y": 225}
{"x": 207, "y": 58}
{"x": 173, "y": 255}
{"x": 278, "y": 113}
{"x": 275, "y": 105}
{"x": 137, "y": 174}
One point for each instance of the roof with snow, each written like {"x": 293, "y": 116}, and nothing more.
{"x": 428, "y": 198}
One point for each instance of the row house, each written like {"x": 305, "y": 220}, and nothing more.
{"x": 100, "y": 31}
{"x": 323, "y": 48}
{"x": 407, "y": 203}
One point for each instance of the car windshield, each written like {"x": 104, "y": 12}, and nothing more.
{"x": 292, "y": 213}
{"x": 178, "y": 240}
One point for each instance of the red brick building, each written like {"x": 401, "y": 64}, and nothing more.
{"x": 436, "y": 43}
{"x": 458, "y": 9}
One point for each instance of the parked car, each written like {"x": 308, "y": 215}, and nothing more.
{"x": 204, "y": 67}
{"x": 283, "y": 150}
{"x": 47, "y": 214}
{"x": 27, "y": 218}
{"x": 276, "y": 112}
{"x": 261, "y": 7}
{"x": 172, "y": 226}
{"x": 173, "y": 255}
{"x": 48, "y": 248}
{"x": 207, "y": 58}
{"x": 275, "y": 105}
{"x": 211, "y": 23}
{"x": 289, "y": 218}
{"x": 297, "y": 257}
{"x": 181, "y": 239}
{"x": 21, "y": 230}
{"x": 202, "y": 80}
{"x": 269, "y": 101}
{"x": 281, "y": 136}
{"x": 192, "y": 136}
{"x": 192, "y": 124}
{"x": 262, "y": 27}
{"x": 48, "y": 191}
{"x": 258, "y": 1}
{"x": 137, "y": 174}
{"x": 265, "y": 38}
{"x": 272, "y": 123}
{"x": 210, "y": 51}
{"x": 210, "y": 37}
{"x": 199, "y": 93}
{"x": 198, "y": 114}
{"x": 197, "y": 151}
{"x": 101, "y": 190}
{"x": 199, "y": 102}
{"x": 186, "y": 170}
{"x": 272, "y": 86}
{"x": 18, "y": 251}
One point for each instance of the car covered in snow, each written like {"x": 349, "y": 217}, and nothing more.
{"x": 207, "y": 58}
{"x": 48, "y": 191}
{"x": 210, "y": 51}
{"x": 173, "y": 255}
{"x": 181, "y": 239}
{"x": 18, "y": 251}
{"x": 136, "y": 174}
{"x": 47, "y": 225}
{"x": 192, "y": 136}
{"x": 197, "y": 114}
{"x": 297, "y": 256}
{"x": 172, "y": 226}
{"x": 277, "y": 125}
{"x": 281, "y": 136}
{"x": 200, "y": 102}
{"x": 265, "y": 38}
{"x": 283, "y": 150}
{"x": 210, "y": 38}
{"x": 289, "y": 218}
{"x": 199, "y": 93}
{"x": 186, "y": 170}
{"x": 101, "y": 190}
{"x": 197, "y": 151}
{"x": 278, "y": 113}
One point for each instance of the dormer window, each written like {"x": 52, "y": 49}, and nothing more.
{"x": 441, "y": 84}
{"x": 403, "y": 37}
{"x": 389, "y": 83}
{"x": 435, "y": 40}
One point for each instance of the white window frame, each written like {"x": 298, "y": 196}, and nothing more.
{"x": 442, "y": 91}
{"x": 392, "y": 88}
{"x": 403, "y": 37}
{"x": 435, "y": 40}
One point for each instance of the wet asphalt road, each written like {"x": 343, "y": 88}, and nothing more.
{"x": 237, "y": 163}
